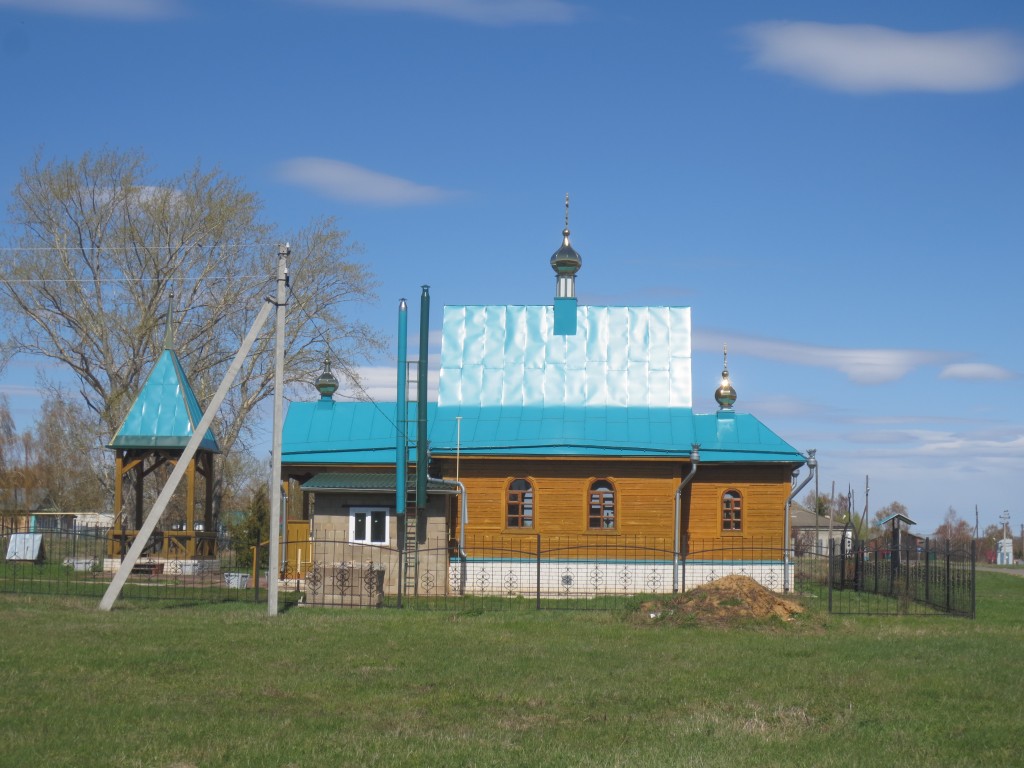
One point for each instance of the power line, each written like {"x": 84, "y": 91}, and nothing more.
{"x": 353, "y": 380}
{"x": 127, "y": 248}
{"x": 27, "y": 280}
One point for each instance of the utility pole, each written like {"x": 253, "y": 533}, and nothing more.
{"x": 274, "y": 564}
{"x": 864, "y": 518}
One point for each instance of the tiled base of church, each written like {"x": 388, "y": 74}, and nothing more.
{"x": 587, "y": 579}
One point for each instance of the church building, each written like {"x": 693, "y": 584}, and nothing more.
{"x": 559, "y": 427}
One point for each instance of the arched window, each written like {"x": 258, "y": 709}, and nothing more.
{"x": 520, "y": 504}
{"x": 732, "y": 511}
{"x": 601, "y": 515}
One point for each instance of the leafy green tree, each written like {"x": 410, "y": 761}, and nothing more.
{"x": 251, "y": 529}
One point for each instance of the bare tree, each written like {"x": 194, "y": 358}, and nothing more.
{"x": 70, "y": 464}
{"x": 97, "y": 248}
{"x": 954, "y": 530}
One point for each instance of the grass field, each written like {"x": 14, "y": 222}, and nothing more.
{"x": 211, "y": 685}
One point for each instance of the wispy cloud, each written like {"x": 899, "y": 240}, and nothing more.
{"x": 930, "y": 443}
{"x": 352, "y": 184}
{"x": 864, "y": 366}
{"x": 860, "y": 57}
{"x": 380, "y": 384}
{"x": 976, "y": 372}
{"x": 128, "y": 10}
{"x": 487, "y": 12}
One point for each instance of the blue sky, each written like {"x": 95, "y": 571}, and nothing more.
{"x": 835, "y": 189}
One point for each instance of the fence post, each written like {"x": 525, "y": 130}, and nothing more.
{"x": 949, "y": 583}
{"x": 974, "y": 561}
{"x": 927, "y": 572}
{"x": 538, "y": 571}
{"x": 831, "y": 558}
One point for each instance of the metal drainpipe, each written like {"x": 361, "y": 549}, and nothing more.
{"x": 694, "y": 461}
{"x": 812, "y": 465}
{"x": 464, "y": 515}
{"x": 464, "y": 519}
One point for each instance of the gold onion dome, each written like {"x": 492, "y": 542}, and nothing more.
{"x": 566, "y": 261}
{"x": 326, "y": 384}
{"x": 725, "y": 394}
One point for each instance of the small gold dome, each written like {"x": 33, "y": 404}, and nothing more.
{"x": 725, "y": 395}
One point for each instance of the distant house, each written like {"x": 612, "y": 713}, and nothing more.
{"x": 31, "y": 509}
{"x": 558, "y": 421}
{"x": 811, "y": 533}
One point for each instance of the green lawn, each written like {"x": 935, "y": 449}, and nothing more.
{"x": 210, "y": 685}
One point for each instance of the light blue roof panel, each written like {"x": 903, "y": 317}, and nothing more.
{"x": 166, "y": 411}
{"x": 620, "y": 356}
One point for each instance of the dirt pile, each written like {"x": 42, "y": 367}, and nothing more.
{"x": 720, "y": 602}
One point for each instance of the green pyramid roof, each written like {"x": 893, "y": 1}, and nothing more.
{"x": 166, "y": 412}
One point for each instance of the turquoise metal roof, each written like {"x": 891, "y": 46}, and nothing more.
{"x": 619, "y": 356}
{"x": 328, "y": 432}
{"x": 166, "y": 411}
{"x": 605, "y": 431}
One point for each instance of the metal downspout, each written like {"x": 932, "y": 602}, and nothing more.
{"x": 463, "y": 522}
{"x": 694, "y": 461}
{"x": 812, "y": 465}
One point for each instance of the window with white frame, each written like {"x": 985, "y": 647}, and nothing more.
{"x": 368, "y": 525}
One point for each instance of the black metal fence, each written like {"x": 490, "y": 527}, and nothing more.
{"x": 934, "y": 579}
{"x": 80, "y": 562}
{"x": 493, "y": 572}
{"x": 528, "y": 571}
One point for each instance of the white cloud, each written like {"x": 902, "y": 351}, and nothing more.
{"x": 352, "y": 184}
{"x": 129, "y": 10}
{"x": 379, "y": 383}
{"x": 864, "y": 366}
{"x": 488, "y": 12}
{"x": 973, "y": 447}
{"x": 860, "y": 57}
{"x": 976, "y": 372}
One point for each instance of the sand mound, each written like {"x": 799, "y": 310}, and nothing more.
{"x": 720, "y": 601}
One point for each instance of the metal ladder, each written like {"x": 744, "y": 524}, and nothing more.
{"x": 410, "y": 540}
{"x": 411, "y": 544}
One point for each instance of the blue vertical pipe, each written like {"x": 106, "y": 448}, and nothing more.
{"x": 421, "y": 401}
{"x": 401, "y": 444}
